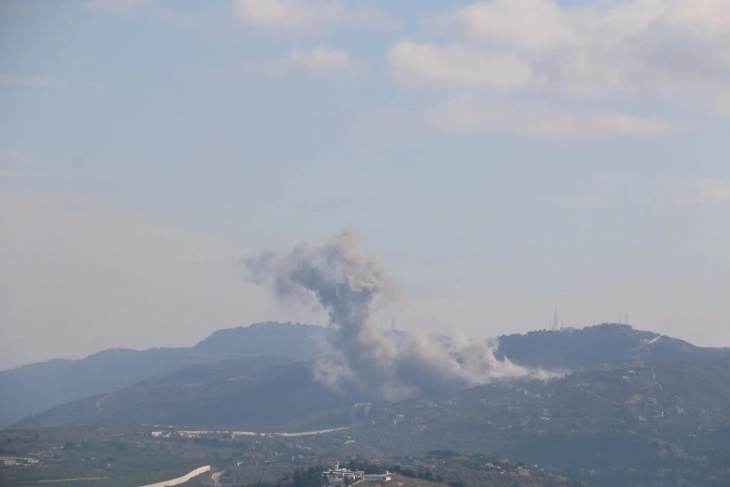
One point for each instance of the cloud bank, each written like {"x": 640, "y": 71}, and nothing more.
{"x": 320, "y": 60}
{"x": 591, "y": 70}
{"x": 308, "y": 17}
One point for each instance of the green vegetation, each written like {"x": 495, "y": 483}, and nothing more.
{"x": 110, "y": 458}
{"x": 309, "y": 477}
{"x": 36, "y": 387}
{"x": 250, "y": 393}
{"x": 635, "y": 423}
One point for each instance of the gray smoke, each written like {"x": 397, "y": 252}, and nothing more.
{"x": 345, "y": 282}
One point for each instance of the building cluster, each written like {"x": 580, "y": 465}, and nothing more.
{"x": 18, "y": 461}
{"x": 340, "y": 477}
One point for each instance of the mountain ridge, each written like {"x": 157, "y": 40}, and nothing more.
{"x": 591, "y": 346}
{"x": 32, "y": 388}
{"x": 36, "y": 387}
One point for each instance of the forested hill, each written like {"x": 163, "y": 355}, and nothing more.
{"x": 35, "y": 387}
{"x": 605, "y": 344}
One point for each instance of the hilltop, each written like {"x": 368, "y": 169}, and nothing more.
{"x": 605, "y": 344}
{"x": 35, "y": 387}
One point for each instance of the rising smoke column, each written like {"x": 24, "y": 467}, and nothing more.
{"x": 345, "y": 282}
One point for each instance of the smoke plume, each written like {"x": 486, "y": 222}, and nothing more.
{"x": 345, "y": 282}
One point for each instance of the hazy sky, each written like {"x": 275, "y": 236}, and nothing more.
{"x": 500, "y": 157}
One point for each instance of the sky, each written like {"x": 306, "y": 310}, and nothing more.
{"x": 501, "y": 158}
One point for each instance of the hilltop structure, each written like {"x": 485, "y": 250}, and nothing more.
{"x": 341, "y": 477}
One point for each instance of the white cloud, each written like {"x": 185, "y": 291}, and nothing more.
{"x": 710, "y": 192}
{"x": 17, "y": 80}
{"x": 659, "y": 56}
{"x": 454, "y": 65}
{"x": 199, "y": 22}
{"x": 14, "y": 156}
{"x": 678, "y": 50}
{"x": 465, "y": 114}
{"x": 531, "y": 25}
{"x": 318, "y": 60}
{"x": 17, "y": 164}
{"x": 114, "y": 6}
{"x": 6, "y": 172}
{"x": 288, "y": 15}
{"x": 309, "y": 16}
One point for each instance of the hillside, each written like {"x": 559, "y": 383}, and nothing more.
{"x": 250, "y": 393}
{"x": 605, "y": 344}
{"x": 137, "y": 375}
{"x": 36, "y": 387}
{"x": 270, "y": 339}
{"x": 635, "y": 425}
{"x": 434, "y": 471}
